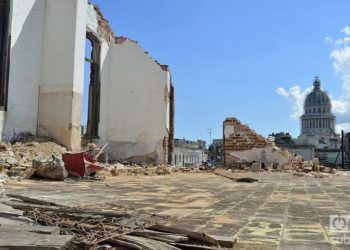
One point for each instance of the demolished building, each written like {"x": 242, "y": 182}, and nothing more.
{"x": 131, "y": 96}
{"x": 243, "y": 145}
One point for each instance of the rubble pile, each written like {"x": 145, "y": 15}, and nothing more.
{"x": 3, "y": 178}
{"x": 129, "y": 170}
{"x": 296, "y": 165}
{"x": 16, "y": 159}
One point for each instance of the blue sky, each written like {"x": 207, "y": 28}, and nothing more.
{"x": 228, "y": 57}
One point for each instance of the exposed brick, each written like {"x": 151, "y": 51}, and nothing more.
{"x": 243, "y": 138}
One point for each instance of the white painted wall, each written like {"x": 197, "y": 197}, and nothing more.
{"x": 266, "y": 155}
{"x": 137, "y": 103}
{"x": 26, "y": 29}
{"x": 60, "y": 95}
{"x": 46, "y": 70}
{"x": 47, "y": 75}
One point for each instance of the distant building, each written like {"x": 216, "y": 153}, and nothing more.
{"x": 318, "y": 121}
{"x": 318, "y": 137}
{"x": 281, "y": 139}
{"x": 216, "y": 151}
{"x": 285, "y": 140}
{"x": 189, "y": 153}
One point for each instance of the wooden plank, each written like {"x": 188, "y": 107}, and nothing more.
{"x": 161, "y": 235}
{"x": 32, "y": 200}
{"x": 24, "y": 240}
{"x": 232, "y": 176}
{"x": 79, "y": 212}
{"x": 122, "y": 243}
{"x": 193, "y": 247}
{"x": 148, "y": 244}
{"x": 29, "y": 228}
{"x": 225, "y": 173}
{"x": 201, "y": 237}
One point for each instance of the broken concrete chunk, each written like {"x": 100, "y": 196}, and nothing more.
{"x": 49, "y": 168}
{"x": 11, "y": 160}
{"x": 327, "y": 170}
{"x": 256, "y": 167}
{"x": 308, "y": 169}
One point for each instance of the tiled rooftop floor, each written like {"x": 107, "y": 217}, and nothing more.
{"x": 278, "y": 212}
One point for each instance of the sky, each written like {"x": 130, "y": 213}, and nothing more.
{"x": 253, "y": 60}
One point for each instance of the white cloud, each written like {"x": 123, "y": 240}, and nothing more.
{"x": 341, "y": 65}
{"x": 340, "y": 56}
{"x": 296, "y": 96}
{"x": 343, "y": 126}
{"x": 281, "y": 91}
{"x": 346, "y": 30}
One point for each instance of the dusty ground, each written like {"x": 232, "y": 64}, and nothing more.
{"x": 280, "y": 211}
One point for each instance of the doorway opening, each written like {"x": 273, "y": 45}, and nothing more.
{"x": 91, "y": 91}
{"x": 5, "y": 40}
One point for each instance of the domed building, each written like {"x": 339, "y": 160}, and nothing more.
{"x": 318, "y": 121}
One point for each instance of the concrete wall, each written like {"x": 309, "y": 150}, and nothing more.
{"x": 26, "y": 28}
{"x": 263, "y": 155}
{"x": 60, "y": 93}
{"x": 46, "y": 70}
{"x": 137, "y": 108}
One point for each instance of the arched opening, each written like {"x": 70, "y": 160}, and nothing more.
{"x": 92, "y": 86}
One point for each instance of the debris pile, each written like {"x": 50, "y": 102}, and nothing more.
{"x": 17, "y": 158}
{"x": 3, "y": 178}
{"x": 304, "y": 168}
{"x": 110, "y": 226}
{"x": 129, "y": 170}
{"x": 296, "y": 164}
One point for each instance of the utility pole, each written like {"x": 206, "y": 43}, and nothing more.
{"x": 342, "y": 150}
{"x": 209, "y": 132}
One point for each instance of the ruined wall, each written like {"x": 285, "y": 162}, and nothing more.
{"x": 26, "y": 28}
{"x": 60, "y": 92}
{"x": 242, "y": 144}
{"x": 47, "y": 75}
{"x": 137, "y": 108}
{"x": 46, "y": 70}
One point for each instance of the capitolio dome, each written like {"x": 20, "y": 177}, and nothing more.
{"x": 317, "y": 101}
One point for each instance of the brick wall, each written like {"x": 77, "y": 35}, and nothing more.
{"x": 239, "y": 137}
